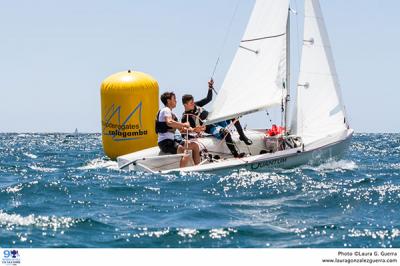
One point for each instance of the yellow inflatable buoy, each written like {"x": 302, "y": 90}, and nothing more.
{"x": 129, "y": 105}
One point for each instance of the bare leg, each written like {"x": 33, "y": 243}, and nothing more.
{"x": 195, "y": 152}
{"x": 185, "y": 159}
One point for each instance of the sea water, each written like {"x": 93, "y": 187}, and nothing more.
{"x": 62, "y": 191}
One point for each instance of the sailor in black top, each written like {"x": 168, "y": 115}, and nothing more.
{"x": 195, "y": 114}
{"x": 166, "y": 124}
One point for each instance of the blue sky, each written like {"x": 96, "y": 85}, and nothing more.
{"x": 54, "y": 55}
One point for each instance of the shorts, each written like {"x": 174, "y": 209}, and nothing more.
{"x": 169, "y": 146}
{"x": 216, "y": 129}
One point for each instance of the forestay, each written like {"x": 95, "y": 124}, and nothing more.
{"x": 255, "y": 80}
{"x": 320, "y": 111}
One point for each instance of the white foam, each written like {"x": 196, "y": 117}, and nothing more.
{"x": 30, "y": 155}
{"x": 100, "y": 163}
{"x": 187, "y": 232}
{"x": 148, "y": 233}
{"x": 220, "y": 233}
{"x": 335, "y": 166}
{"x": 15, "y": 219}
{"x": 19, "y": 187}
{"x": 381, "y": 234}
{"x": 42, "y": 169}
{"x": 52, "y": 222}
{"x": 155, "y": 189}
{"x": 395, "y": 166}
{"x": 14, "y": 188}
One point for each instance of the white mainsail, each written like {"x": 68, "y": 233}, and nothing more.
{"x": 320, "y": 111}
{"x": 255, "y": 80}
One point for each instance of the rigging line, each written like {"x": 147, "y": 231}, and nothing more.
{"x": 196, "y": 116}
{"x": 227, "y": 33}
{"x": 263, "y": 38}
{"x": 187, "y": 134}
{"x": 228, "y": 128}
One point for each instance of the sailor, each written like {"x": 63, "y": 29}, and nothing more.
{"x": 195, "y": 114}
{"x": 166, "y": 125}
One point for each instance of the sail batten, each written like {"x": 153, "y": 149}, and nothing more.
{"x": 256, "y": 78}
{"x": 263, "y": 38}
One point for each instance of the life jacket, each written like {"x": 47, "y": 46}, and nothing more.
{"x": 162, "y": 127}
{"x": 275, "y": 130}
{"x": 197, "y": 114}
{"x": 200, "y": 115}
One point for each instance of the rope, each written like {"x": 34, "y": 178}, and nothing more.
{"x": 187, "y": 134}
{"x": 230, "y": 131}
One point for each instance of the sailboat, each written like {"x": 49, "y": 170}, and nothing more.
{"x": 258, "y": 79}
{"x": 74, "y": 135}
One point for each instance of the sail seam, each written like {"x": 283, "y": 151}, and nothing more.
{"x": 263, "y": 38}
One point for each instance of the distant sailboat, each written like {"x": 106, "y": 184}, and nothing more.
{"x": 259, "y": 78}
{"x": 74, "y": 135}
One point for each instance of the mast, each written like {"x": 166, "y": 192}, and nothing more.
{"x": 287, "y": 83}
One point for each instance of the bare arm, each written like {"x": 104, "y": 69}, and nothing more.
{"x": 174, "y": 124}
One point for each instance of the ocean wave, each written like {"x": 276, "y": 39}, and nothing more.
{"x": 17, "y": 188}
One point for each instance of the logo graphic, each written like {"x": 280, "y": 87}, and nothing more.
{"x": 122, "y": 129}
{"x": 11, "y": 257}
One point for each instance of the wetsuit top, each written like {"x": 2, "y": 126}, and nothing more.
{"x": 197, "y": 112}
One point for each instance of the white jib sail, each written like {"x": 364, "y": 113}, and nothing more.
{"x": 320, "y": 111}
{"x": 255, "y": 80}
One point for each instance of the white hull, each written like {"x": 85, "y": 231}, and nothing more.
{"x": 331, "y": 147}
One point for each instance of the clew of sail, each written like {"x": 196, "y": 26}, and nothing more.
{"x": 255, "y": 80}
{"x": 320, "y": 111}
